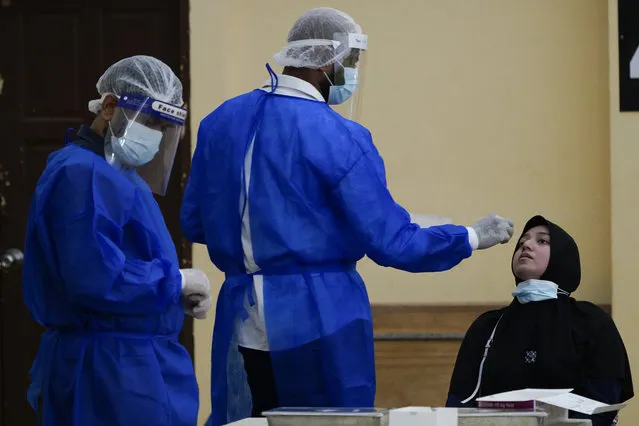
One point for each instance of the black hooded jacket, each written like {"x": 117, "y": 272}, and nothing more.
{"x": 558, "y": 343}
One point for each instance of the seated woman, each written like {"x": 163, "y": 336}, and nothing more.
{"x": 544, "y": 338}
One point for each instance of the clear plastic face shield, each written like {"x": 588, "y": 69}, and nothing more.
{"x": 345, "y": 93}
{"x": 144, "y": 135}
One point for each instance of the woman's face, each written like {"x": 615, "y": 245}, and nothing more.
{"x": 533, "y": 253}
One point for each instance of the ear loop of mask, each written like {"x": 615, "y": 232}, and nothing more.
{"x": 328, "y": 78}
{"x": 481, "y": 366}
{"x": 112, "y": 158}
{"x": 128, "y": 120}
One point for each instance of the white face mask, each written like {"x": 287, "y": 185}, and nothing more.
{"x": 340, "y": 94}
{"x": 537, "y": 291}
{"x": 137, "y": 146}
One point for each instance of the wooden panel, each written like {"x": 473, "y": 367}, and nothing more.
{"x": 452, "y": 319}
{"x": 414, "y": 372}
{"x": 415, "y": 351}
{"x": 416, "y": 348}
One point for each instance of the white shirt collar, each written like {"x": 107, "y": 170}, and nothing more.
{"x": 296, "y": 87}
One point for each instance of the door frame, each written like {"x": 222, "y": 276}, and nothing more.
{"x": 185, "y": 251}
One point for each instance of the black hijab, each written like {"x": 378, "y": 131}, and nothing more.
{"x": 564, "y": 265}
{"x": 558, "y": 343}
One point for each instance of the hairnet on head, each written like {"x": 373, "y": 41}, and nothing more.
{"x": 143, "y": 75}
{"x": 311, "y": 41}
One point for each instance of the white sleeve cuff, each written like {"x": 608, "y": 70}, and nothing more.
{"x": 473, "y": 239}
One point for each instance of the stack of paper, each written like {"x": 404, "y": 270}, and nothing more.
{"x": 525, "y": 399}
{"x": 530, "y": 399}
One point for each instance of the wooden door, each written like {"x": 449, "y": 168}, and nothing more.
{"x": 52, "y": 53}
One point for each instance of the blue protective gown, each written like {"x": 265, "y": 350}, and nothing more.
{"x": 318, "y": 203}
{"x": 102, "y": 275}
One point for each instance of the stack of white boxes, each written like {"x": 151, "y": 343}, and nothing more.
{"x": 423, "y": 416}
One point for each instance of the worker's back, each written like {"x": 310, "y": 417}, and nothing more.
{"x": 301, "y": 152}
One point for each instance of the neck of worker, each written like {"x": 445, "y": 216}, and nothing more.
{"x": 99, "y": 125}
{"x": 308, "y": 75}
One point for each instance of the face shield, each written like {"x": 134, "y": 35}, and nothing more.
{"x": 143, "y": 135}
{"x": 345, "y": 93}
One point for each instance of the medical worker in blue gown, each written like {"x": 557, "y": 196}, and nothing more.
{"x": 288, "y": 195}
{"x": 101, "y": 272}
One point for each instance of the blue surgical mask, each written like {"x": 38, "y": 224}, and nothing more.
{"x": 537, "y": 291}
{"x": 340, "y": 94}
{"x": 137, "y": 146}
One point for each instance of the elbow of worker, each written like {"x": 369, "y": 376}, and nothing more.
{"x": 420, "y": 261}
{"x": 192, "y": 229}
{"x": 393, "y": 259}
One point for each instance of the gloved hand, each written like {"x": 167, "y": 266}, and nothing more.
{"x": 196, "y": 292}
{"x": 197, "y": 306}
{"x": 493, "y": 230}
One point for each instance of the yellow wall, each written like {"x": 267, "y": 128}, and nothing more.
{"x": 624, "y": 155}
{"x": 476, "y": 106}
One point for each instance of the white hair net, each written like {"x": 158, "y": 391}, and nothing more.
{"x": 311, "y": 41}
{"x": 142, "y": 75}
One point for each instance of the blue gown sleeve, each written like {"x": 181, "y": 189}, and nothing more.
{"x": 385, "y": 228}
{"x": 102, "y": 255}
{"x": 190, "y": 217}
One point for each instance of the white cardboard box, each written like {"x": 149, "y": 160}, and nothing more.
{"x": 250, "y": 422}
{"x": 422, "y": 416}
